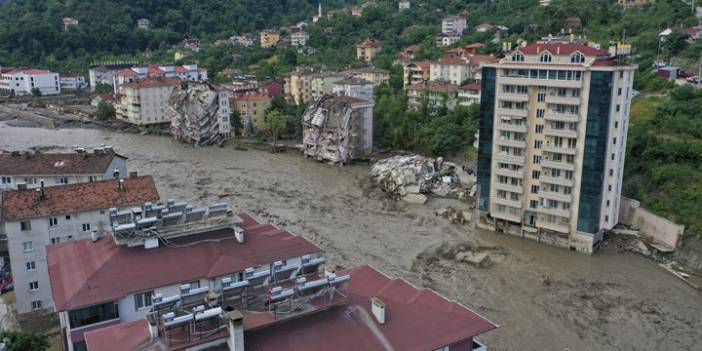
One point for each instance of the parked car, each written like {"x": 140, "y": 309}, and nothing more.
{"x": 693, "y": 79}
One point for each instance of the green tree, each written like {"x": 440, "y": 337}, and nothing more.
{"x": 36, "y": 92}
{"x": 105, "y": 111}
{"x": 276, "y": 124}
{"x": 23, "y": 341}
{"x": 103, "y": 89}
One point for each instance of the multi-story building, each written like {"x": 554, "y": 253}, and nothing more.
{"x": 446, "y": 39}
{"x": 104, "y": 73}
{"x": 368, "y": 49}
{"x": 35, "y": 218}
{"x": 408, "y": 54}
{"x": 554, "y": 117}
{"x": 252, "y": 111}
{"x": 323, "y": 83}
{"x": 453, "y": 24}
{"x": 299, "y": 38}
{"x": 354, "y": 87}
{"x": 627, "y": 4}
{"x": 452, "y": 70}
{"x": 24, "y": 81}
{"x": 404, "y": 5}
{"x": 372, "y": 74}
{"x": 144, "y": 101}
{"x": 416, "y": 72}
{"x": 253, "y": 287}
{"x": 269, "y": 38}
{"x": 434, "y": 93}
{"x": 73, "y": 81}
{"x": 298, "y": 85}
{"x": 244, "y": 39}
{"x": 469, "y": 94}
{"x": 25, "y": 170}
{"x": 133, "y": 74}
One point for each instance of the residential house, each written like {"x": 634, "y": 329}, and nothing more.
{"x": 323, "y": 83}
{"x": 368, "y": 49}
{"x": 453, "y": 24}
{"x": 338, "y": 129}
{"x": 693, "y": 33}
{"x": 572, "y": 22}
{"x": 35, "y": 218}
{"x": 469, "y": 94}
{"x": 144, "y": 102}
{"x": 407, "y": 54}
{"x": 269, "y": 38}
{"x": 298, "y": 85}
{"x": 109, "y": 98}
{"x": 452, "y": 70}
{"x": 354, "y": 87}
{"x": 104, "y": 73}
{"x": 244, "y": 39}
{"x": 552, "y": 142}
{"x": 25, "y": 170}
{"x": 69, "y": 22}
{"x": 357, "y": 11}
{"x": 485, "y": 27}
{"x": 189, "y": 72}
{"x": 435, "y": 93}
{"x": 464, "y": 52}
{"x": 299, "y": 38}
{"x": 627, "y": 4}
{"x": 143, "y": 23}
{"x": 24, "y": 81}
{"x": 372, "y": 74}
{"x": 404, "y": 5}
{"x": 416, "y": 72}
{"x": 447, "y": 39}
{"x": 252, "y": 111}
{"x": 73, "y": 81}
{"x": 192, "y": 44}
{"x": 477, "y": 62}
{"x": 272, "y": 87}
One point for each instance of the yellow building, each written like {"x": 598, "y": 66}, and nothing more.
{"x": 269, "y": 38}
{"x": 368, "y": 49}
{"x": 252, "y": 110}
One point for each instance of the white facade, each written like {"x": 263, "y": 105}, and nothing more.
{"x": 468, "y": 97}
{"x": 357, "y": 88}
{"x": 454, "y": 71}
{"x": 144, "y": 103}
{"x": 73, "y": 82}
{"x": 299, "y": 39}
{"x": 403, "y": 5}
{"x": 447, "y": 39}
{"x": 455, "y": 24}
{"x": 23, "y": 81}
{"x": 135, "y": 74}
{"x": 224, "y": 111}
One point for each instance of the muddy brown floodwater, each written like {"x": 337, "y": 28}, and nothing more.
{"x": 543, "y": 298}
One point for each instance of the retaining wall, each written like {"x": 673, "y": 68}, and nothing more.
{"x": 650, "y": 225}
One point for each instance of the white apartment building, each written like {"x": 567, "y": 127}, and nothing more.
{"x": 452, "y": 70}
{"x": 35, "y": 218}
{"x": 22, "y": 81}
{"x": 354, "y": 87}
{"x": 104, "y": 73}
{"x": 144, "y": 101}
{"x": 455, "y": 24}
{"x": 299, "y": 38}
{"x": 73, "y": 81}
{"x": 554, "y": 120}
{"x": 137, "y": 73}
{"x": 128, "y": 276}
{"x": 469, "y": 94}
{"x": 447, "y": 39}
{"x": 404, "y": 5}
{"x": 26, "y": 170}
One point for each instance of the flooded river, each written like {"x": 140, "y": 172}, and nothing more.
{"x": 543, "y": 298}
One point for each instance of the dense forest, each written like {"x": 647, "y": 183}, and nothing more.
{"x": 663, "y": 168}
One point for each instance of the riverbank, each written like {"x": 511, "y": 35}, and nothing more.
{"x": 544, "y": 298}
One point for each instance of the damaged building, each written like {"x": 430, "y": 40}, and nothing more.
{"x": 338, "y": 129}
{"x": 193, "y": 109}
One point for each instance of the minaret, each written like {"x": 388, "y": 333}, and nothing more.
{"x": 319, "y": 10}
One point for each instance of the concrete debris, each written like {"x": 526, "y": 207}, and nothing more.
{"x": 338, "y": 129}
{"x": 477, "y": 259}
{"x": 399, "y": 176}
{"x": 193, "y": 108}
{"x": 459, "y": 252}
{"x": 415, "y": 199}
{"x": 626, "y": 232}
{"x": 454, "y": 215}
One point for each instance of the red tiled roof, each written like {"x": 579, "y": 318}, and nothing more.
{"x": 559, "y": 49}
{"x": 474, "y": 46}
{"x": 152, "y": 82}
{"x": 58, "y": 163}
{"x": 451, "y": 61}
{"x": 253, "y": 97}
{"x": 369, "y": 43}
{"x": 34, "y": 71}
{"x": 72, "y": 198}
{"x": 85, "y": 273}
{"x": 127, "y": 72}
{"x": 471, "y": 86}
{"x": 416, "y": 320}
{"x": 436, "y": 86}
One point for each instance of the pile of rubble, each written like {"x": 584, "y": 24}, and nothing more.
{"x": 193, "y": 108}
{"x": 413, "y": 178}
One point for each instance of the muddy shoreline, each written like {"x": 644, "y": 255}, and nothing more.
{"x": 543, "y": 298}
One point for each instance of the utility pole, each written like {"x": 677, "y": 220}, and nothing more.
{"x": 699, "y": 73}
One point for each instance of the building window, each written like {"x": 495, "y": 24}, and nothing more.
{"x": 63, "y": 180}
{"x": 517, "y": 57}
{"x": 533, "y": 203}
{"x": 30, "y": 180}
{"x": 611, "y": 172}
{"x": 577, "y": 58}
{"x": 539, "y": 128}
{"x": 545, "y": 57}
{"x": 540, "y": 113}
{"x": 607, "y": 203}
{"x": 616, "y": 124}
{"x": 614, "y": 141}
{"x": 31, "y": 265}
{"x": 534, "y": 189}
{"x": 143, "y": 300}
{"x": 55, "y": 240}
{"x": 609, "y": 187}
{"x": 6, "y": 180}
{"x": 26, "y": 225}
{"x": 612, "y": 156}
{"x": 537, "y": 159}
{"x": 618, "y": 108}
{"x": 68, "y": 217}
{"x": 33, "y": 286}
{"x": 607, "y": 219}
{"x": 535, "y": 174}
{"x": 86, "y": 227}
{"x": 541, "y": 97}
{"x": 36, "y": 305}
{"x": 619, "y": 91}
{"x": 537, "y": 144}
{"x": 53, "y": 221}
{"x": 27, "y": 246}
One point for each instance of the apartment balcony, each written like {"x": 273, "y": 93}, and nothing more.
{"x": 554, "y": 180}
{"x": 559, "y": 165}
{"x": 507, "y": 202}
{"x": 566, "y": 100}
{"x": 553, "y": 83}
{"x": 518, "y": 160}
{"x": 556, "y": 227}
{"x": 511, "y": 112}
{"x": 566, "y": 133}
{"x": 551, "y": 115}
{"x": 556, "y": 196}
{"x": 516, "y": 218}
{"x": 509, "y": 187}
{"x": 511, "y": 142}
{"x": 509, "y": 173}
{"x": 511, "y": 127}
{"x": 560, "y": 149}
{"x": 514, "y": 96}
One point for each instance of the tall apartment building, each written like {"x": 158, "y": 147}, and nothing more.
{"x": 298, "y": 85}
{"x": 35, "y": 218}
{"x": 25, "y": 170}
{"x": 252, "y": 109}
{"x": 554, "y": 120}
{"x": 137, "y": 73}
{"x": 144, "y": 102}
{"x": 453, "y": 24}
{"x": 354, "y": 87}
{"x": 452, "y": 70}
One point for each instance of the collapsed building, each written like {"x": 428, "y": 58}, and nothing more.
{"x": 338, "y": 129}
{"x": 193, "y": 111}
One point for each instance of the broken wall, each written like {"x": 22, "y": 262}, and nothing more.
{"x": 656, "y": 228}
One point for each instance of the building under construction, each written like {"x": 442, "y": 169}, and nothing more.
{"x": 193, "y": 110}
{"x": 338, "y": 129}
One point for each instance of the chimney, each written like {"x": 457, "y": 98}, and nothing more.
{"x": 239, "y": 234}
{"x": 378, "y": 310}
{"x": 153, "y": 325}
{"x": 235, "y": 327}
{"x": 120, "y": 185}
{"x": 94, "y": 236}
